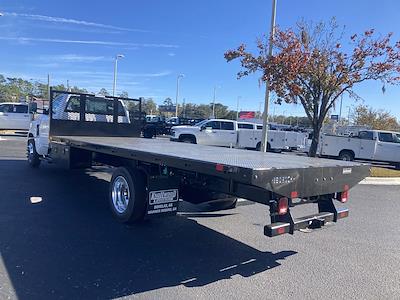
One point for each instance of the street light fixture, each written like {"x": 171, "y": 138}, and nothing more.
{"x": 178, "y": 79}
{"x": 264, "y": 141}
{"x": 118, "y": 56}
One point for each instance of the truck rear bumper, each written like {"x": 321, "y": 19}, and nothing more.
{"x": 308, "y": 222}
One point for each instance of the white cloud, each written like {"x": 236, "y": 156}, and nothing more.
{"x": 171, "y": 54}
{"x": 70, "y": 21}
{"x": 87, "y": 42}
{"x": 72, "y": 58}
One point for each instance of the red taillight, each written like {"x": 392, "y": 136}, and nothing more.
{"x": 344, "y": 196}
{"x": 280, "y": 230}
{"x": 283, "y": 206}
{"x": 219, "y": 167}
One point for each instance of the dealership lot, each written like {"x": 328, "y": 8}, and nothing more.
{"x": 67, "y": 245}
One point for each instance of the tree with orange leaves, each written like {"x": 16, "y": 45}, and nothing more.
{"x": 310, "y": 67}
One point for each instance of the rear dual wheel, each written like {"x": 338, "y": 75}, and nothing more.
{"x": 127, "y": 195}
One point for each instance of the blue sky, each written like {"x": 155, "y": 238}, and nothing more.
{"x": 77, "y": 40}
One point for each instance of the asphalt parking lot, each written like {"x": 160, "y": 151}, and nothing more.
{"x": 68, "y": 246}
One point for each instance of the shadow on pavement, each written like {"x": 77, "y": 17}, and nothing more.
{"x": 69, "y": 246}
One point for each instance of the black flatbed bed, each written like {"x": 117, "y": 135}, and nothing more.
{"x": 283, "y": 174}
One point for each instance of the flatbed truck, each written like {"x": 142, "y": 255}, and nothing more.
{"x": 150, "y": 176}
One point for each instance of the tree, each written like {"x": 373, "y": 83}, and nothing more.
{"x": 149, "y": 106}
{"x": 103, "y": 92}
{"x": 377, "y": 119}
{"x": 168, "y": 102}
{"x": 311, "y": 68}
{"x": 123, "y": 94}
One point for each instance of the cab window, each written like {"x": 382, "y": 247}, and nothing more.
{"x": 227, "y": 126}
{"x": 73, "y": 105}
{"x": 21, "y": 109}
{"x": 366, "y": 135}
{"x": 213, "y": 124}
{"x": 245, "y": 126}
{"x": 386, "y": 137}
{"x": 6, "y": 108}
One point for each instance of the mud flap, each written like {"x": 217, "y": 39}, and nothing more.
{"x": 162, "y": 196}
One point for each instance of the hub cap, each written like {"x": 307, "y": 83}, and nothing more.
{"x": 120, "y": 194}
{"x": 30, "y": 148}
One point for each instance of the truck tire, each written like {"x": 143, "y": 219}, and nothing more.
{"x": 216, "y": 201}
{"x": 33, "y": 156}
{"x": 188, "y": 139}
{"x": 258, "y": 147}
{"x": 346, "y": 155}
{"x": 127, "y": 195}
{"x": 149, "y": 131}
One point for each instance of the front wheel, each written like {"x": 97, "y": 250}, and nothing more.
{"x": 188, "y": 140}
{"x": 127, "y": 195}
{"x": 33, "y": 156}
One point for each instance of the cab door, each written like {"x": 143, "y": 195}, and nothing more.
{"x": 21, "y": 116}
{"x": 218, "y": 133}
{"x": 387, "y": 147}
{"x": 367, "y": 145}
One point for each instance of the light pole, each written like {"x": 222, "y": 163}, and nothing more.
{"x": 348, "y": 116}
{"x": 264, "y": 141}
{"x": 213, "y": 105}
{"x": 237, "y": 108}
{"x": 180, "y": 76}
{"x": 115, "y": 71}
{"x": 340, "y": 111}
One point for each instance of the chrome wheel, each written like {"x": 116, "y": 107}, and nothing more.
{"x": 30, "y": 148}
{"x": 120, "y": 194}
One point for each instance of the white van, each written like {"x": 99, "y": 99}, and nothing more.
{"x": 15, "y": 116}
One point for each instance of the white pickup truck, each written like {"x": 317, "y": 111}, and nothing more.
{"x": 15, "y": 116}
{"x": 372, "y": 145}
{"x": 228, "y": 133}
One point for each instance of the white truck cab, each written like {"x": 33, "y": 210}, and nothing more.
{"x": 15, "y": 116}
{"x": 228, "y": 133}
{"x": 67, "y": 107}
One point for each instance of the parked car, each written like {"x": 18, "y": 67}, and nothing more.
{"x": 15, "y": 116}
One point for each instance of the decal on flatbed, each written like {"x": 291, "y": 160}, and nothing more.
{"x": 164, "y": 196}
{"x": 163, "y": 202}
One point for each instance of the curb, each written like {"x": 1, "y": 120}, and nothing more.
{"x": 381, "y": 181}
